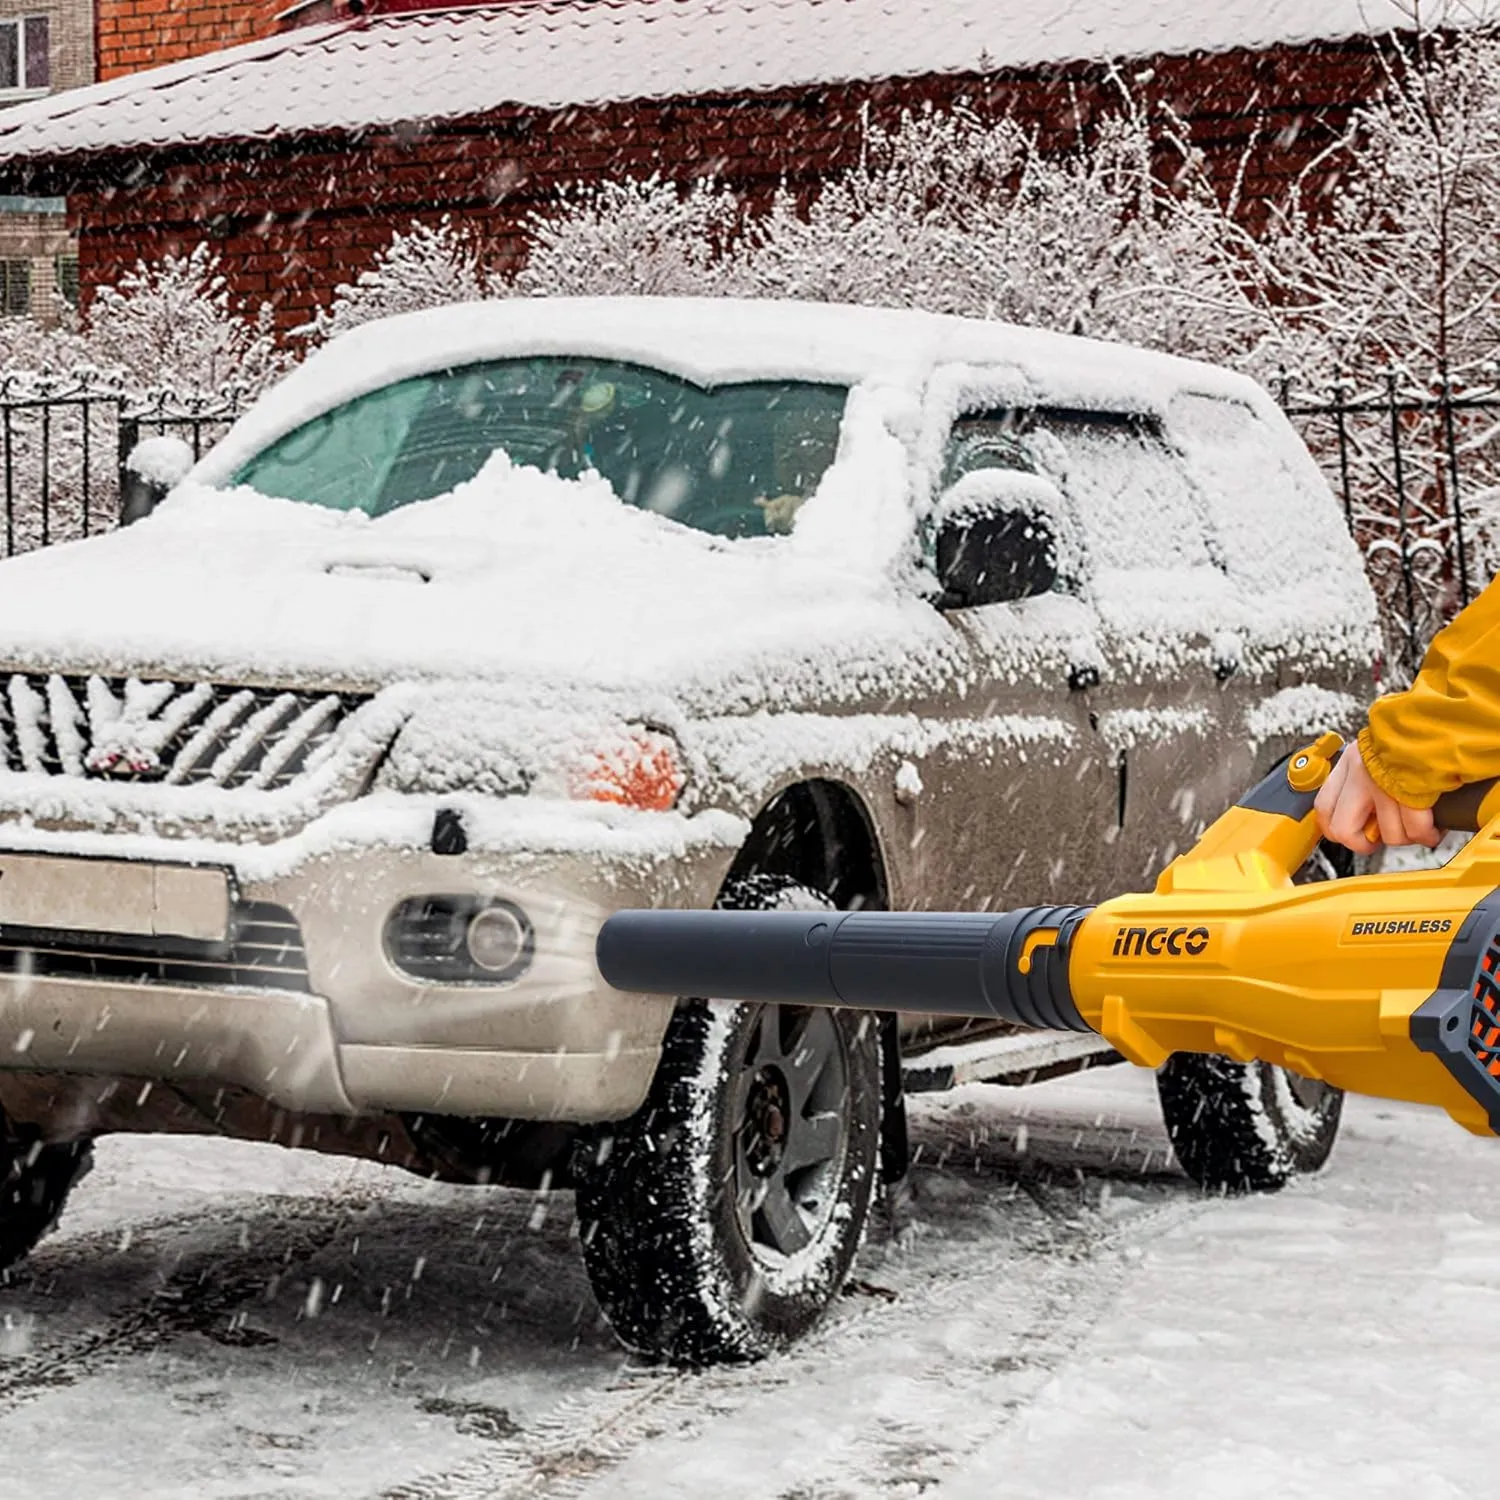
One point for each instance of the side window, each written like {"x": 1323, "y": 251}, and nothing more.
{"x": 1130, "y": 501}
{"x": 1134, "y": 497}
{"x": 1271, "y": 513}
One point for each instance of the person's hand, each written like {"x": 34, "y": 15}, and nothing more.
{"x": 1350, "y": 798}
{"x": 780, "y": 511}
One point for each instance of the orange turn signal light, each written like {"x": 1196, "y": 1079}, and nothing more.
{"x": 641, "y": 770}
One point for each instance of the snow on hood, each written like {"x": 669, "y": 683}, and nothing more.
{"x": 515, "y": 575}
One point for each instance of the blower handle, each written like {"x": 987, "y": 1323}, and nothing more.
{"x": 1466, "y": 809}
{"x": 1469, "y": 808}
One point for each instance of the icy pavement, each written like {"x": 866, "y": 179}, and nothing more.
{"x": 1049, "y": 1310}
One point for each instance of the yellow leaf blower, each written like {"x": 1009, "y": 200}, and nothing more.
{"x": 1381, "y": 984}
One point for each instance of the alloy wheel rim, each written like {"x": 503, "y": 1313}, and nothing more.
{"x": 790, "y": 1129}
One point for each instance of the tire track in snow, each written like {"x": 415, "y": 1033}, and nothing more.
{"x": 587, "y": 1436}
{"x": 199, "y": 1296}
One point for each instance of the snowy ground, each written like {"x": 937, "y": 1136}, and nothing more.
{"x": 1049, "y": 1311}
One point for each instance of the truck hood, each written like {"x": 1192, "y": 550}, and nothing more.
{"x": 515, "y": 575}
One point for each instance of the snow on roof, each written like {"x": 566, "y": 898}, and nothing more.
{"x": 717, "y": 340}
{"x": 549, "y": 54}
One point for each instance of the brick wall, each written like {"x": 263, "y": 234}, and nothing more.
{"x": 137, "y": 34}
{"x": 292, "y": 221}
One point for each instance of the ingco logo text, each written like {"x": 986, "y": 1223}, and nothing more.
{"x": 1174, "y": 942}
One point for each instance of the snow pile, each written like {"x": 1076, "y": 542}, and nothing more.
{"x": 161, "y": 460}
{"x": 1297, "y": 710}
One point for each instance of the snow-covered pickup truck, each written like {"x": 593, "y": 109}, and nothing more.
{"x": 317, "y": 783}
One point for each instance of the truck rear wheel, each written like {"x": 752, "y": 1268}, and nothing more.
{"x": 1251, "y": 1127}
{"x": 1245, "y": 1127}
{"x": 35, "y": 1180}
{"x": 720, "y": 1221}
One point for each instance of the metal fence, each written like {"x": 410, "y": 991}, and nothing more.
{"x": 64, "y": 440}
{"x": 1416, "y": 465}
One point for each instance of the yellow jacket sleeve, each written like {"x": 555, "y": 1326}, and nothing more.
{"x": 1444, "y": 731}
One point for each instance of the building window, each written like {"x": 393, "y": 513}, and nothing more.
{"x": 65, "y": 272}
{"x": 25, "y": 54}
{"x": 15, "y": 288}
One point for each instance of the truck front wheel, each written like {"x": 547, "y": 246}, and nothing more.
{"x": 720, "y": 1221}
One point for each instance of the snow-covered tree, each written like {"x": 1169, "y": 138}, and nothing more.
{"x": 1384, "y": 259}
{"x": 1385, "y": 253}
{"x": 424, "y": 266}
{"x": 944, "y": 211}
{"x": 176, "y": 323}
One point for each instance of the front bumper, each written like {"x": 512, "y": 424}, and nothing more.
{"x": 306, "y": 1009}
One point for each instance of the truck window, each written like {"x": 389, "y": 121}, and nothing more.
{"x": 1132, "y": 496}
{"x": 1271, "y": 512}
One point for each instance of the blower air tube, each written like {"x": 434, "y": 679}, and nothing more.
{"x": 958, "y": 964}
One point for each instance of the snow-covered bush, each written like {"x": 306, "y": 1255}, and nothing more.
{"x": 176, "y": 323}
{"x": 954, "y": 214}
{"x": 424, "y": 266}
{"x": 645, "y": 237}
{"x": 947, "y": 212}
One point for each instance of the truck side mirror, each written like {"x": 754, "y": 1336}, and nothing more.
{"x": 989, "y": 548}
{"x": 151, "y": 471}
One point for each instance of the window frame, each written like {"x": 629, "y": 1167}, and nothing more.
{"x": 22, "y": 88}
{"x": 65, "y": 278}
{"x": 15, "y": 269}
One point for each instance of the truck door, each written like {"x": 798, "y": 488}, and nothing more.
{"x": 1021, "y": 796}
{"x": 1168, "y": 700}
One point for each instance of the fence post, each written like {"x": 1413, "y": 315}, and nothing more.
{"x": 1450, "y": 441}
{"x": 10, "y": 481}
{"x": 1413, "y": 650}
{"x": 46, "y": 473}
{"x": 86, "y": 409}
{"x": 129, "y": 436}
{"x": 1340, "y": 419}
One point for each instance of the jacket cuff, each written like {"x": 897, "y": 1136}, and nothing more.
{"x": 1407, "y": 793}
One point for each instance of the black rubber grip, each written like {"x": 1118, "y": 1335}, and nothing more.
{"x": 953, "y": 964}
{"x": 1460, "y": 809}
{"x": 1274, "y": 794}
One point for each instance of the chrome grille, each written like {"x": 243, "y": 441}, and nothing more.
{"x": 265, "y": 951}
{"x": 174, "y": 733}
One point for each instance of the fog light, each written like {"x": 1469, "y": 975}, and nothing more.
{"x": 460, "y": 939}
{"x": 498, "y": 938}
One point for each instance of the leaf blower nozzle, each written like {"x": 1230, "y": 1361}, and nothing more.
{"x": 1007, "y": 967}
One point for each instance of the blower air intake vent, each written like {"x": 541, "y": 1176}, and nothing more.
{"x": 1484, "y": 1021}
{"x": 1460, "y": 1024}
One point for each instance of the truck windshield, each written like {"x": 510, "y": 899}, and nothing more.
{"x": 735, "y": 460}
